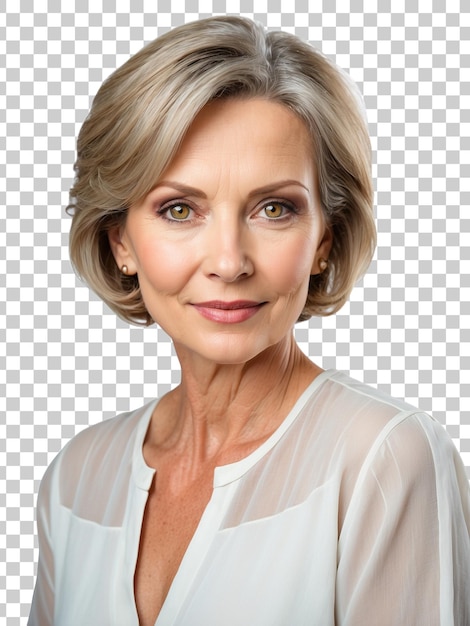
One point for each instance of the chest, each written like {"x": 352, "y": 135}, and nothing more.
{"x": 236, "y": 569}
{"x": 169, "y": 523}
{"x": 262, "y": 572}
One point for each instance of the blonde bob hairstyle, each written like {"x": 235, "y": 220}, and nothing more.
{"x": 141, "y": 113}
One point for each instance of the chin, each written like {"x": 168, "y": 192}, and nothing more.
{"x": 235, "y": 349}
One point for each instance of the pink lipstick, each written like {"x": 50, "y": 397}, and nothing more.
{"x": 228, "y": 312}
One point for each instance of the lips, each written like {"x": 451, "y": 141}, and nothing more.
{"x": 228, "y": 306}
{"x": 228, "y": 312}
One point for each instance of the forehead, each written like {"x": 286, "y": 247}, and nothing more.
{"x": 245, "y": 134}
{"x": 263, "y": 117}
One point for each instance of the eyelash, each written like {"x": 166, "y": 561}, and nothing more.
{"x": 287, "y": 206}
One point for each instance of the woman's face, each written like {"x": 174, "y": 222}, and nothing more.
{"x": 225, "y": 243}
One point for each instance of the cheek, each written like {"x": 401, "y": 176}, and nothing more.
{"x": 160, "y": 268}
{"x": 290, "y": 266}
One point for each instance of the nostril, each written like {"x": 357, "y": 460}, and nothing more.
{"x": 228, "y": 266}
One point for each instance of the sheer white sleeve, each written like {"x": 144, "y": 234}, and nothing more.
{"x": 404, "y": 548}
{"x": 42, "y": 608}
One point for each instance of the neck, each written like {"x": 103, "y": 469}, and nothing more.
{"x": 219, "y": 409}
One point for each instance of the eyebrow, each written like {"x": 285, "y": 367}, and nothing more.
{"x": 198, "y": 193}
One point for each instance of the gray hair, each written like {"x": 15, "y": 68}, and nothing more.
{"x": 142, "y": 112}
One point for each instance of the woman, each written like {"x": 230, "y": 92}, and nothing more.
{"x": 223, "y": 191}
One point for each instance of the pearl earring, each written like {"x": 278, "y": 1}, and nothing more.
{"x": 124, "y": 269}
{"x": 322, "y": 264}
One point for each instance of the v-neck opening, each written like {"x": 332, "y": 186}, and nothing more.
{"x": 224, "y": 487}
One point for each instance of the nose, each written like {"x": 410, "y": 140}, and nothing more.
{"x": 228, "y": 254}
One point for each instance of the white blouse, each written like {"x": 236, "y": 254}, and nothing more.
{"x": 356, "y": 511}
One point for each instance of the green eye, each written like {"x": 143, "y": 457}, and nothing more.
{"x": 179, "y": 211}
{"x": 273, "y": 210}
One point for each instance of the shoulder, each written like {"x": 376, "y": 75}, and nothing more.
{"x": 359, "y": 418}
{"x": 380, "y": 441}
{"x": 97, "y": 458}
{"x": 347, "y": 423}
{"x": 109, "y": 437}
{"x": 372, "y": 417}
{"x": 348, "y": 389}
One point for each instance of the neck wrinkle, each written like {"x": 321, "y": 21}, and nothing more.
{"x": 228, "y": 409}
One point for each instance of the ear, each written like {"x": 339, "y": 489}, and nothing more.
{"x": 323, "y": 251}
{"x": 121, "y": 250}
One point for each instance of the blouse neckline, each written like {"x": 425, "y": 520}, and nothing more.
{"x": 223, "y": 474}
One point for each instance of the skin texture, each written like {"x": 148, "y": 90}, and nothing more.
{"x": 236, "y": 218}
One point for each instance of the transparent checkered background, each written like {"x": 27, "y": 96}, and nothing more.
{"x": 67, "y": 362}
